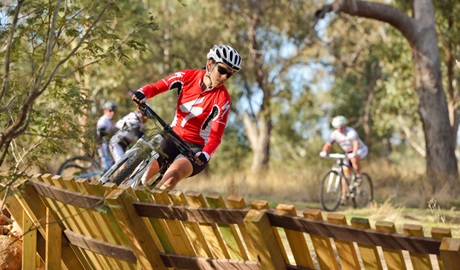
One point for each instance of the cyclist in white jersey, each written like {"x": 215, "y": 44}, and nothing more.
{"x": 349, "y": 141}
{"x": 105, "y": 129}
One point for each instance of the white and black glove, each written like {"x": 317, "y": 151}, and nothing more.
{"x": 201, "y": 158}
{"x": 323, "y": 154}
{"x": 139, "y": 96}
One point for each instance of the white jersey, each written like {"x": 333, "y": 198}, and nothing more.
{"x": 345, "y": 140}
{"x": 105, "y": 123}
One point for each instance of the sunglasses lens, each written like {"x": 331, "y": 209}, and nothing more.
{"x": 223, "y": 71}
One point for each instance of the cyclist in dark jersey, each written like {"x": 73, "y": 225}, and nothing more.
{"x": 202, "y": 108}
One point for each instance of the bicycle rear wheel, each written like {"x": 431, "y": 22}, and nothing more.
{"x": 80, "y": 167}
{"x": 331, "y": 190}
{"x": 363, "y": 191}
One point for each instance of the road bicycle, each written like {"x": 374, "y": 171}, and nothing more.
{"x": 81, "y": 167}
{"x": 359, "y": 190}
{"x": 132, "y": 168}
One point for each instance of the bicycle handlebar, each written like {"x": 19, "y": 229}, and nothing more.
{"x": 337, "y": 155}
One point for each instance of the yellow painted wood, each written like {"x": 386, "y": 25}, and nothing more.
{"x": 192, "y": 228}
{"x": 345, "y": 249}
{"x": 323, "y": 246}
{"x": 157, "y": 227}
{"x": 210, "y": 232}
{"x": 229, "y": 232}
{"x": 393, "y": 258}
{"x": 264, "y": 241}
{"x": 183, "y": 245}
{"x": 146, "y": 252}
{"x": 77, "y": 218}
{"x": 299, "y": 247}
{"x": 237, "y": 202}
{"x": 450, "y": 253}
{"x": 261, "y": 205}
{"x": 53, "y": 243}
{"x": 30, "y": 202}
{"x": 440, "y": 233}
{"x": 419, "y": 261}
{"x": 369, "y": 254}
{"x": 29, "y": 243}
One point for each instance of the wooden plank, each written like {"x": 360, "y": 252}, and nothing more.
{"x": 141, "y": 241}
{"x": 394, "y": 258}
{"x": 419, "y": 261}
{"x": 192, "y": 228}
{"x": 228, "y": 231}
{"x": 369, "y": 254}
{"x": 76, "y": 216}
{"x": 397, "y": 241}
{"x": 450, "y": 253}
{"x": 28, "y": 198}
{"x": 299, "y": 247}
{"x": 345, "y": 249}
{"x": 53, "y": 243}
{"x": 440, "y": 233}
{"x": 158, "y": 229}
{"x": 266, "y": 246}
{"x": 29, "y": 243}
{"x": 323, "y": 246}
{"x": 211, "y": 233}
{"x": 261, "y": 205}
{"x": 237, "y": 202}
{"x": 183, "y": 245}
{"x": 106, "y": 232}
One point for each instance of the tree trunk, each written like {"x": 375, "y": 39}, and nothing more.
{"x": 258, "y": 133}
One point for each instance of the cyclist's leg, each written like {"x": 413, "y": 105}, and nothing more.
{"x": 356, "y": 161}
{"x": 180, "y": 169}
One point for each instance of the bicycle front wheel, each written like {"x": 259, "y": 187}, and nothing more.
{"x": 80, "y": 167}
{"x": 331, "y": 190}
{"x": 363, "y": 191}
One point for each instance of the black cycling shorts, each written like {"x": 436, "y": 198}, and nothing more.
{"x": 168, "y": 153}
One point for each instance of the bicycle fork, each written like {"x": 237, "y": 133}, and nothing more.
{"x": 334, "y": 181}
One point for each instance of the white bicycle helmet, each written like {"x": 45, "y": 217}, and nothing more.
{"x": 339, "y": 121}
{"x": 227, "y": 55}
{"x": 110, "y": 105}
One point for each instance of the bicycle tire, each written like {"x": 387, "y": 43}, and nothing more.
{"x": 331, "y": 191}
{"x": 130, "y": 165}
{"x": 364, "y": 192}
{"x": 78, "y": 166}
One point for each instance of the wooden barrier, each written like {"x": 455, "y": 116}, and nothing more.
{"x": 76, "y": 224}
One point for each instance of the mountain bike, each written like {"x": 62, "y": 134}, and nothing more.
{"x": 132, "y": 168}
{"x": 81, "y": 167}
{"x": 359, "y": 190}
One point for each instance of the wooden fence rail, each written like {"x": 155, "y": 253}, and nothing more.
{"x": 77, "y": 224}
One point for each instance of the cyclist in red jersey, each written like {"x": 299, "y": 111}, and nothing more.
{"x": 202, "y": 109}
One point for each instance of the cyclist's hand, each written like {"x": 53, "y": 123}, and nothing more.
{"x": 201, "y": 158}
{"x": 139, "y": 96}
{"x": 323, "y": 154}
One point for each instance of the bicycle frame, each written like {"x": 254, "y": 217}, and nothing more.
{"x": 138, "y": 171}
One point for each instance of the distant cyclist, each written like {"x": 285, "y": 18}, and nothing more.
{"x": 130, "y": 129}
{"x": 105, "y": 129}
{"x": 202, "y": 108}
{"x": 349, "y": 141}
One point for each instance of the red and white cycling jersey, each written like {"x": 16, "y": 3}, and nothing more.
{"x": 201, "y": 116}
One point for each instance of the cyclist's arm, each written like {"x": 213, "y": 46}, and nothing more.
{"x": 355, "y": 146}
{"x": 173, "y": 81}
{"x": 327, "y": 146}
{"x": 217, "y": 129}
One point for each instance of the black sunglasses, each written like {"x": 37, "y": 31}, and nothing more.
{"x": 224, "y": 71}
